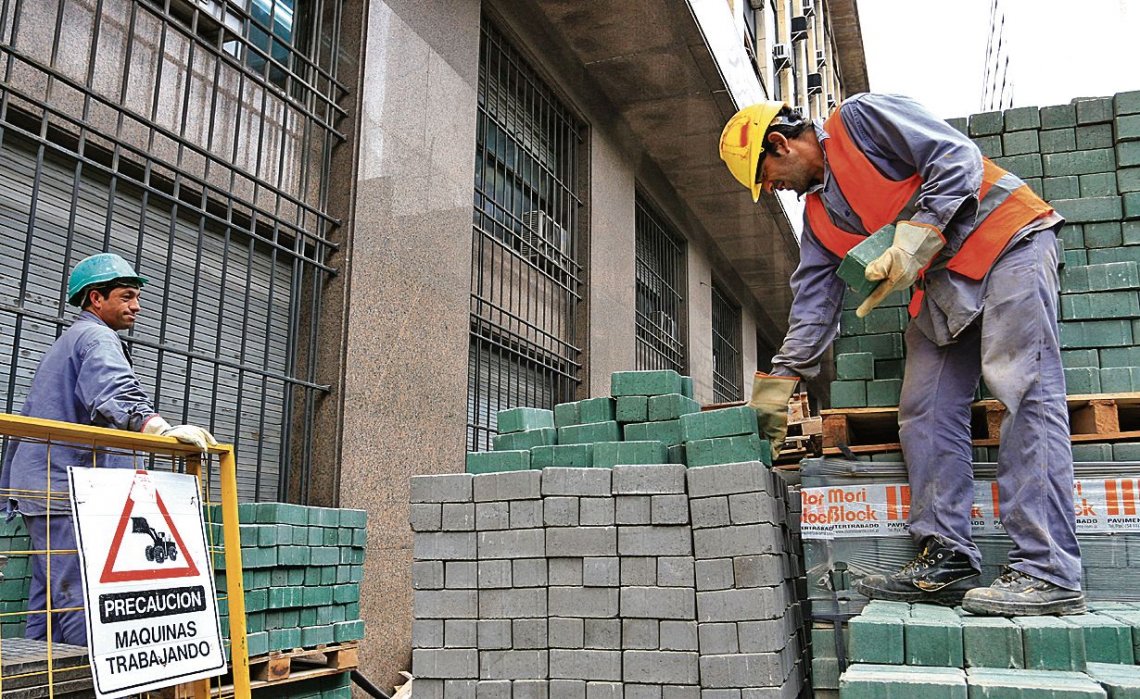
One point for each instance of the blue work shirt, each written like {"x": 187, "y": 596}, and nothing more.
{"x": 85, "y": 377}
{"x": 900, "y": 138}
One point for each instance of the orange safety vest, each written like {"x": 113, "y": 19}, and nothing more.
{"x": 878, "y": 201}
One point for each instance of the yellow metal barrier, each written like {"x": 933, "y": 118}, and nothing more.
{"x": 167, "y": 453}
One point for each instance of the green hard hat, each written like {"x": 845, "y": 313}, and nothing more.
{"x": 96, "y": 270}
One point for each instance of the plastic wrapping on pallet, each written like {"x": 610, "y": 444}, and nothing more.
{"x": 854, "y": 523}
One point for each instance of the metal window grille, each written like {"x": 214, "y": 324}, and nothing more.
{"x": 660, "y": 273}
{"x": 728, "y": 377}
{"x": 128, "y": 126}
{"x": 525, "y": 278}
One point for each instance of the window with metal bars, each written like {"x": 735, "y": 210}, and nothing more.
{"x": 728, "y": 377}
{"x": 660, "y": 276}
{"x": 525, "y": 277}
{"x": 199, "y": 170}
{"x": 268, "y": 35}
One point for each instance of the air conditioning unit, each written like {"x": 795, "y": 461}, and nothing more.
{"x": 820, "y": 58}
{"x": 809, "y": 7}
{"x": 665, "y": 323}
{"x": 781, "y": 56}
{"x": 799, "y": 28}
{"x": 543, "y": 238}
{"x": 815, "y": 83}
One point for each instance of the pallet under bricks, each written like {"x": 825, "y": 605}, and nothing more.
{"x": 301, "y": 567}
{"x": 655, "y": 581}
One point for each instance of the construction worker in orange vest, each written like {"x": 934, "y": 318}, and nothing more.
{"x": 980, "y": 248}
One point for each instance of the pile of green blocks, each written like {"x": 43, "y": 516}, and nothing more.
{"x": 301, "y": 568}
{"x": 1084, "y": 159}
{"x": 335, "y": 686}
{"x": 650, "y": 417}
{"x": 15, "y": 577}
{"x": 931, "y": 651}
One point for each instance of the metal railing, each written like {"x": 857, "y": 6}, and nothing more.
{"x": 52, "y": 672}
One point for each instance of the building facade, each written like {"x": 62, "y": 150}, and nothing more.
{"x": 369, "y": 225}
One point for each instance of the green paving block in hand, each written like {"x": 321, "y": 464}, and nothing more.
{"x": 853, "y": 267}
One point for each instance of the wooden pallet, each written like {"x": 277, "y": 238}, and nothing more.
{"x": 1109, "y": 417}
{"x": 282, "y": 667}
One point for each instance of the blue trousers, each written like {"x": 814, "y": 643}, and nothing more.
{"x": 1015, "y": 346}
{"x": 66, "y": 582}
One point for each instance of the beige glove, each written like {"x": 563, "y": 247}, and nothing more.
{"x": 914, "y": 246}
{"x": 187, "y": 434}
{"x": 770, "y": 396}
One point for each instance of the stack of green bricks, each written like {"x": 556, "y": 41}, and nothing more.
{"x": 335, "y": 686}
{"x": 1084, "y": 159}
{"x": 301, "y": 568}
{"x": 927, "y": 650}
{"x": 650, "y": 417}
{"x": 15, "y": 577}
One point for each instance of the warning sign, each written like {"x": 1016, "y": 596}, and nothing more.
{"x": 1102, "y": 505}
{"x": 152, "y": 619}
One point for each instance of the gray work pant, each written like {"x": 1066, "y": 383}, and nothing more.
{"x": 1015, "y": 346}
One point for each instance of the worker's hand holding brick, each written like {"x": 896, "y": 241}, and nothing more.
{"x": 914, "y": 246}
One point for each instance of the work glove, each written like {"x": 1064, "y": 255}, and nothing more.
{"x": 770, "y": 396}
{"x": 914, "y": 246}
{"x": 187, "y": 434}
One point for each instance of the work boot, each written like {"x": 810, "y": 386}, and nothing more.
{"x": 1015, "y": 593}
{"x": 938, "y": 575}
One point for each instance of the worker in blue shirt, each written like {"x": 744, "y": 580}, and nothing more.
{"x": 979, "y": 248}
{"x": 85, "y": 377}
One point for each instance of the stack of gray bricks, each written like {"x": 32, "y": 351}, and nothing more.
{"x": 746, "y": 608}
{"x": 582, "y": 583}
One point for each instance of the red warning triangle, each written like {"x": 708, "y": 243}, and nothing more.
{"x": 160, "y": 570}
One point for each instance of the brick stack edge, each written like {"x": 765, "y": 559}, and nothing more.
{"x": 1084, "y": 159}
{"x": 637, "y": 581}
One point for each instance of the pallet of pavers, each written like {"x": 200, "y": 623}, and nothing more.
{"x": 853, "y": 523}
{"x": 920, "y": 650}
{"x": 655, "y": 580}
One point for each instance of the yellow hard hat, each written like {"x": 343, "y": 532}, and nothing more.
{"x": 742, "y": 142}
